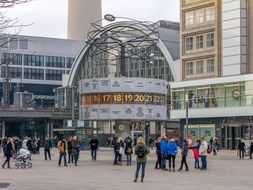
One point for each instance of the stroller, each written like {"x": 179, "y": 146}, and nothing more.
{"x": 23, "y": 159}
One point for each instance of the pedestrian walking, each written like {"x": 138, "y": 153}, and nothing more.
{"x": 75, "y": 149}
{"x": 120, "y": 149}
{"x": 172, "y": 151}
{"x": 158, "y": 164}
{"x": 195, "y": 150}
{"x": 115, "y": 149}
{"x": 129, "y": 149}
{"x": 62, "y": 147}
{"x": 93, "y": 148}
{"x": 141, "y": 151}
{"x": 47, "y": 147}
{"x": 241, "y": 149}
{"x": 8, "y": 152}
{"x": 69, "y": 147}
{"x": 184, "y": 155}
{"x": 38, "y": 145}
{"x": 164, "y": 151}
{"x": 203, "y": 153}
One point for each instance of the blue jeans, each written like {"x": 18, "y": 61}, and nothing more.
{"x": 64, "y": 158}
{"x": 94, "y": 154}
{"x": 163, "y": 162}
{"x": 204, "y": 162}
{"x": 139, "y": 164}
{"x": 129, "y": 159}
{"x": 196, "y": 164}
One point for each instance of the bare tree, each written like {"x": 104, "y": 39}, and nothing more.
{"x": 11, "y": 3}
{"x": 7, "y": 23}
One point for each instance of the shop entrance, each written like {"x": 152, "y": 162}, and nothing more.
{"x": 233, "y": 135}
{"x": 136, "y": 134}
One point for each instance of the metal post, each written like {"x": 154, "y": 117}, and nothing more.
{"x": 122, "y": 60}
{"x": 186, "y": 114}
{"x": 72, "y": 104}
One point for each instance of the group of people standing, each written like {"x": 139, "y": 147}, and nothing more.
{"x": 70, "y": 146}
{"x": 14, "y": 145}
{"x": 242, "y": 149}
{"x": 167, "y": 149}
{"x": 122, "y": 147}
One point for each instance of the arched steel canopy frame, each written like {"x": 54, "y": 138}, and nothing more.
{"x": 72, "y": 80}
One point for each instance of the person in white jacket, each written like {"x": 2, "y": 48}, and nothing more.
{"x": 203, "y": 153}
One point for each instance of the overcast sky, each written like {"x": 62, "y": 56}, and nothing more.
{"x": 49, "y": 17}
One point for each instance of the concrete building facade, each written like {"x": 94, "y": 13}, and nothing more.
{"x": 216, "y": 74}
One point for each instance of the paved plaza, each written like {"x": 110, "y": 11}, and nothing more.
{"x": 225, "y": 172}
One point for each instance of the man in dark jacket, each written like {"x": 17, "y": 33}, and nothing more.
{"x": 184, "y": 155}
{"x": 241, "y": 149}
{"x": 93, "y": 148}
{"x": 47, "y": 147}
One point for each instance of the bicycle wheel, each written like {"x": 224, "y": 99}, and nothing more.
{"x": 29, "y": 164}
{"x": 23, "y": 165}
{"x": 16, "y": 165}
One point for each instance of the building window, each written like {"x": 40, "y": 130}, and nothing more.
{"x": 210, "y": 14}
{"x": 210, "y": 66}
{"x": 52, "y": 61}
{"x": 189, "y": 44}
{"x": 23, "y": 43}
{"x": 13, "y": 72}
{"x": 54, "y": 74}
{"x": 32, "y": 73}
{"x": 200, "y": 16}
{"x": 189, "y": 18}
{"x": 210, "y": 40}
{"x": 34, "y": 60}
{"x": 70, "y": 62}
{"x": 199, "y": 42}
{"x": 199, "y": 67}
{"x": 12, "y": 59}
{"x": 189, "y": 68}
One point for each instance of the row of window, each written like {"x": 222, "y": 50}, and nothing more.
{"x": 215, "y": 95}
{"x": 32, "y": 73}
{"x": 37, "y": 60}
{"x": 199, "y": 17}
{"x": 54, "y": 74}
{"x": 199, "y": 66}
{"x": 34, "y": 60}
{"x": 199, "y": 42}
{"x": 12, "y": 59}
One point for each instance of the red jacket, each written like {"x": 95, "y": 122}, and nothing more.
{"x": 195, "y": 152}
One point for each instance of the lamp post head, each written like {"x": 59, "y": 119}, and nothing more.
{"x": 186, "y": 98}
{"x": 109, "y": 17}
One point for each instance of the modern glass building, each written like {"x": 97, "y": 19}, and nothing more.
{"x": 34, "y": 65}
{"x": 216, "y": 72}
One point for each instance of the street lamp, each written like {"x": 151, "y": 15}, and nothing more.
{"x": 186, "y": 114}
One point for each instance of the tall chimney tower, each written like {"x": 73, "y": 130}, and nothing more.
{"x": 81, "y": 13}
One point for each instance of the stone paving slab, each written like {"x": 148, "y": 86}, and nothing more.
{"x": 225, "y": 172}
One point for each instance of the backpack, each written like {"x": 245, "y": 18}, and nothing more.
{"x": 209, "y": 149}
{"x": 140, "y": 152}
